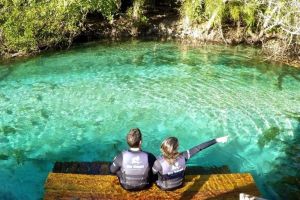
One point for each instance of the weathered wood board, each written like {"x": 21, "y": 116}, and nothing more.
{"x": 82, "y": 186}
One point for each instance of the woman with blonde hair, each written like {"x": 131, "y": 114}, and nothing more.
{"x": 170, "y": 167}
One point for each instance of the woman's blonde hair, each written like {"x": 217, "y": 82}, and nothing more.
{"x": 169, "y": 149}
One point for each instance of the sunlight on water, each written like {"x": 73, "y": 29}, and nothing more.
{"x": 78, "y": 105}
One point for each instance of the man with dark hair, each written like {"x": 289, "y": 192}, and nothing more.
{"x": 133, "y": 166}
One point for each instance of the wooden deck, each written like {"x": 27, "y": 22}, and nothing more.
{"x": 82, "y": 186}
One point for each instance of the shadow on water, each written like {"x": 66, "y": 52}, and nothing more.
{"x": 6, "y": 195}
{"x": 284, "y": 178}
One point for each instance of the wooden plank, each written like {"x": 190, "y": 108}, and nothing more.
{"x": 216, "y": 186}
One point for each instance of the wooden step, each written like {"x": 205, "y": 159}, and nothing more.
{"x": 82, "y": 186}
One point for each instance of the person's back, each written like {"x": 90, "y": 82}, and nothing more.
{"x": 171, "y": 166}
{"x": 170, "y": 176}
{"x": 133, "y": 166}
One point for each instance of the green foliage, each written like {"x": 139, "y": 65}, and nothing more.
{"x": 219, "y": 11}
{"x": 143, "y": 20}
{"x": 136, "y": 13}
{"x": 242, "y": 12}
{"x": 29, "y": 25}
{"x": 235, "y": 12}
{"x": 192, "y": 9}
{"x": 249, "y": 13}
{"x": 215, "y": 10}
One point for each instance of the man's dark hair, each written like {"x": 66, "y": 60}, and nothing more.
{"x": 134, "y": 137}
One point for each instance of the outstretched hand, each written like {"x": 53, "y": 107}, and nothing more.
{"x": 222, "y": 139}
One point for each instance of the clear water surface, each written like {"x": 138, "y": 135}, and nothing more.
{"x": 78, "y": 105}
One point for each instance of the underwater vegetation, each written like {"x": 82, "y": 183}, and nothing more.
{"x": 4, "y": 157}
{"x": 268, "y": 136}
{"x": 286, "y": 171}
{"x": 18, "y": 155}
{"x": 8, "y": 130}
{"x": 285, "y": 175}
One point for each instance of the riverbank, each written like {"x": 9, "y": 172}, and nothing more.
{"x": 167, "y": 24}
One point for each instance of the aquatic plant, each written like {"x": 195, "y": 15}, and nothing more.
{"x": 284, "y": 177}
{"x": 268, "y": 136}
{"x": 18, "y": 155}
{"x": 8, "y": 130}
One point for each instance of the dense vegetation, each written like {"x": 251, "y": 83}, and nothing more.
{"x": 257, "y": 20}
{"x": 29, "y": 25}
{"x": 33, "y": 25}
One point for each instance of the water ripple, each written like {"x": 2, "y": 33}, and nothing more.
{"x": 78, "y": 105}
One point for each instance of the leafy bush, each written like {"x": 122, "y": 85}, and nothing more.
{"x": 28, "y": 25}
{"x": 191, "y": 10}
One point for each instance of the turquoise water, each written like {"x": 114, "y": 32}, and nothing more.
{"x": 78, "y": 105}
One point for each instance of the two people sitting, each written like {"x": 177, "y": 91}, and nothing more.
{"x": 137, "y": 169}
